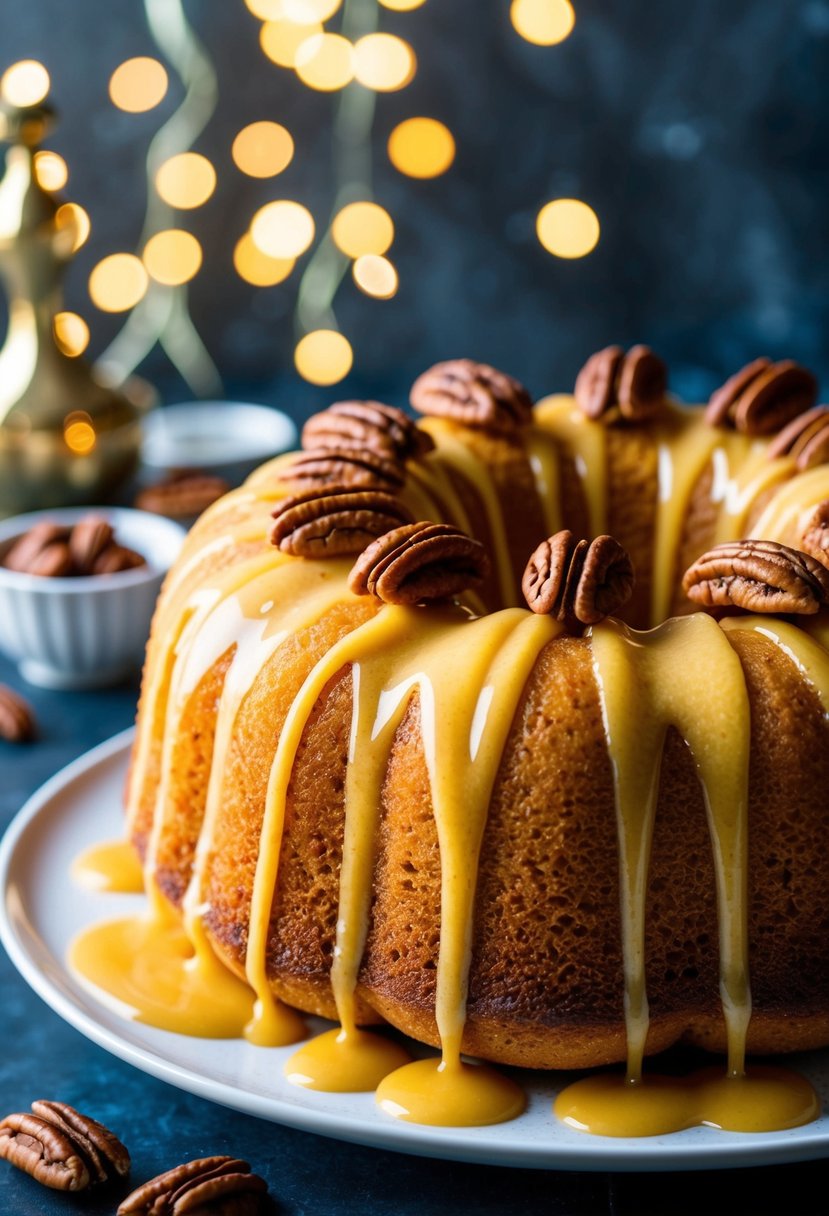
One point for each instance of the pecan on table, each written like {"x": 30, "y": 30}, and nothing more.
{"x": 343, "y": 466}
{"x": 578, "y": 582}
{"x": 61, "y": 1148}
{"x": 223, "y": 1186}
{"x": 334, "y": 522}
{"x": 815, "y": 540}
{"x": 757, "y": 576}
{"x": 418, "y": 563}
{"x": 474, "y": 394}
{"x": 182, "y": 494}
{"x": 17, "y": 720}
{"x": 762, "y": 397}
{"x": 613, "y": 385}
{"x": 805, "y": 439}
{"x": 366, "y": 426}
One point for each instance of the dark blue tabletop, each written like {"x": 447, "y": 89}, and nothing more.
{"x": 41, "y": 1057}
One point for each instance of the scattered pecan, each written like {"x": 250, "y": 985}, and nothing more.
{"x": 183, "y": 494}
{"x": 343, "y": 466}
{"x": 208, "y": 1185}
{"x": 62, "y": 1148}
{"x": 473, "y": 393}
{"x": 629, "y": 386}
{"x": 815, "y": 540}
{"x": 762, "y": 397}
{"x": 578, "y": 582}
{"x": 806, "y": 439}
{"x": 88, "y": 539}
{"x": 757, "y": 576}
{"x": 419, "y": 562}
{"x": 334, "y": 522}
{"x": 17, "y": 720}
{"x": 28, "y": 548}
{"x": 366, "y": 426}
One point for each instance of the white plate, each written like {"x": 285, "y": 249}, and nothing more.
{"x": 41, "y": 910}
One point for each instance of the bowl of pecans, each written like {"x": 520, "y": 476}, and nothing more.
{"x": 77, "y": 591}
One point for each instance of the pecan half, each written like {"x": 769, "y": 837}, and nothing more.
{"x": 578, "y": 582}
{"x": 815, "y": 540}
{"x": 757, "y": 576}
{"x": 473, "y": 393}
{"x": 344, "y": 466}
{"x": 366, "y": 426}
{"x": 184, "y": 493}
{"x": 762, "y": 397}
{"x": 334, "y": 522}
{"x": 26, "y": 555}
{"x": 115, "y": 558}
{"x": 17, "y": 720}
{"x": 806, "y": 439}
{"x": 61, "y": 1148}
{"x": 87, "y": 540}
{"x": 629, "y": 386}
{"x": 106, "y": 1156}
{"x": 419, "y": 562}
{"x": 209, "y": 1184}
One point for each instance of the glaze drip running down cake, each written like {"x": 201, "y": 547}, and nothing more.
{"x": 371, "y": 783}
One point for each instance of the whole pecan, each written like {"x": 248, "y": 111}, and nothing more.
{"x": 115, "y": 558}
{"x": 87, "y": 540}
{"x": 17, "y": 720}
{"x": 757, "y": 576}
{"x": 207, "y": 1185}
{"x": 366, "y": 426}
{"x": 419, "y": 562}
{"x": 334, "y": 522}
{"x": 815, "y": 540}
{"x": 806, "y": 439}
{"x": 61, "y": 1148}
{"x": 182, "y": 494}
{"x": 578, "y": 582}
{"x": 762, "y": 397}
{"x": 26, "y": 555}
{"x": 473, "y": 393}
{"x": 355, "y": 467}
{"x": 629, "y": 386}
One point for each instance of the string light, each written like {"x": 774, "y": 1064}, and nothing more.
{"x": 263, "y": 149}
{"x": 375, "y": 275}
{"x": 402, "y": 6}
{"x": 282, "y": 229}
{"x": 256, "y": 267}
{"x": 71, "y": 333}
{"x": 306, "y": 11}
{"x": 421, "y": 147}
{"x": 172, "y": 256}
{"x": 543, "y": 22}
{"x": 568, "y": 228}
{"x": 383, "y": 62}
{"x": 186, "y": 181}
{"x": 72, "y": 215}
{"x": 325, "y": 62}
{"x": 79, "y": 433}
{"x": 51, "y": 170}
{"x": 281, "y": 39}
{"x": 118, "y": 282}
{"x": 323, "y": 356}
{"x": 138, "y": 84}
{"x": 362, "y": 228}
{"x": 25, "y": 83}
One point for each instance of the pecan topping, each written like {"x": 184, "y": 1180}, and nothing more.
{"x": 334, "y": 522}
{"x": 62, "y": 1148}
{"x": 806, "y": 439}
{"x": 210, "y": 1184}
{"x": 473, "y": 393}
{"x": 763, "y": 397}
{"x": 578, "y": 582}
{"x": 355, "y": 467}
{"x": 366, "y": 426}
{"x": 17, "y": 721}
{"x": 419, "y": 562}
{"x": 183, "y": 494}
{"x": 629, "y": 386}
{"x": 26, "y": 555}
{"x": 815, "y": 540}
{"x": 87, "y": 541}
{"x": 758, "y": 576}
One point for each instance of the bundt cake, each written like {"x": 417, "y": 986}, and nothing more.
{"x": 378, "y": 787}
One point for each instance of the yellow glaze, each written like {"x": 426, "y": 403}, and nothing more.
{"x": 345, "y": 1061}
{"x": 450, "y": 1094}
{"x": 113, "y": 866}
{"x": 585, "y": 441}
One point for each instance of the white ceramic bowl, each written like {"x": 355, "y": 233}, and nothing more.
{"x": 84, "y": 632}
{"x": 226, "y": 438}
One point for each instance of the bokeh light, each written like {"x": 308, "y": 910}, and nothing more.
{"x": 323, "y": 356}
{"x": 25, "y": 83}
{"x": 72, "y": 215}
{"x": 186, "y": 181}
{"x": 568, "y": 228}
{"x": 421, "y": 147}
{"x": 281, "y": 39}
{"x": 544, "y": 22}
{"x": 306, "y": 11}
{"x": 172, "y": 256}
{"x": 118, "y": 282}
{"x": 71, "y": 333}
{"x": 138, "y": 84}
{"x": 265, "y": 10}
{"x": 50, "y": 170}
{"x": 383, "y": 62}
{"x": 282, "y": 229}
{"x": 325, "y": 62}
{"x": 375, "y": 275}
{"x": 256, "y": 267}
{"x": 263, "y": 149}
{"x": 362, "y": 228}
{"x": 78, "y": 432}
{"x": 402, "y": 6}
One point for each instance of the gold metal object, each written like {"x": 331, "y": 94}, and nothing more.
{"x": 64, "y": 436}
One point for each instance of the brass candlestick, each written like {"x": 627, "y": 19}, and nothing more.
{"x": 64, "y": 436}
